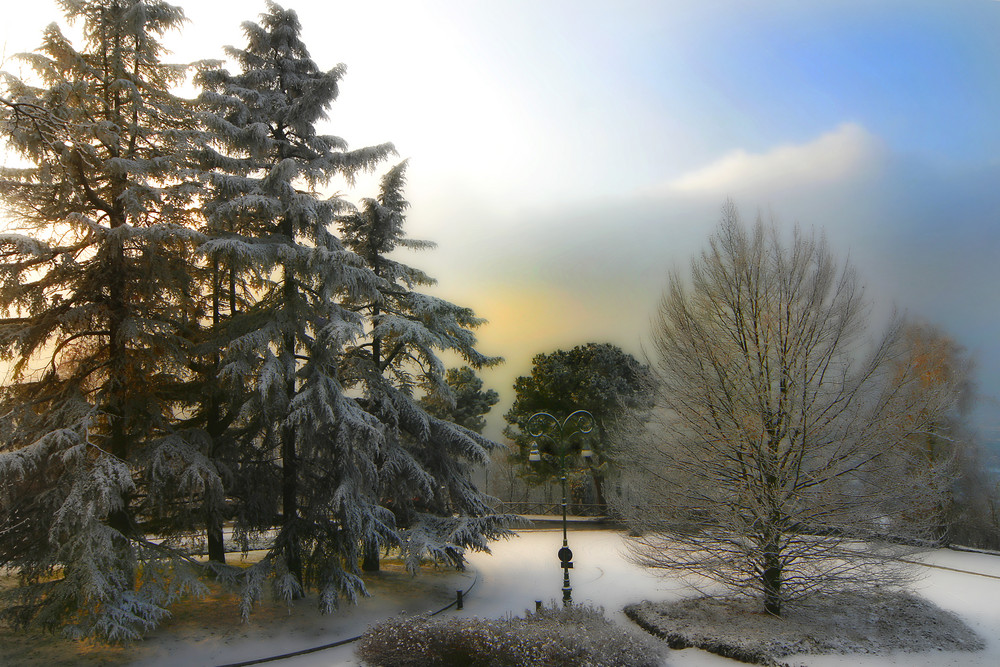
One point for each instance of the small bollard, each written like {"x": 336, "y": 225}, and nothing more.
{"x": 459, "y": 601}
{"x": 538, "y": 605}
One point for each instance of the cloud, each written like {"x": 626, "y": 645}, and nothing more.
{"x": 832, "y": 157}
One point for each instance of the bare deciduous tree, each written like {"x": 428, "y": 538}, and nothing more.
{"x": 775, "y": 463}
{"x": 949, "y": 457}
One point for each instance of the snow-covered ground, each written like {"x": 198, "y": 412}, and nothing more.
{"x": 526, "y": 569}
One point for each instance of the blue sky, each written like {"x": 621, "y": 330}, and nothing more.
{"x": 566, "y": 155}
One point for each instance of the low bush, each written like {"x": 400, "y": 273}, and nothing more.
{"x": 570, "y": 636}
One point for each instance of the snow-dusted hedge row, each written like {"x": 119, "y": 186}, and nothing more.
{"x": 578, "y": 635}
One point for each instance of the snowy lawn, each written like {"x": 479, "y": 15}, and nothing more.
{"x": 872, "y": 623}
{"x": 519, "y": 572}
{"x": 209, "y": 632}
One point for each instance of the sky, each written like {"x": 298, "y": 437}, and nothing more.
{"x": 566, "y": 155}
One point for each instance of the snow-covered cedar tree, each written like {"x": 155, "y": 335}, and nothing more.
{"x": 96, "y": 294}
{"x": 425, "y": 463}
{"x": 777, "y": 462}
{"x": 270, "y": 228}
{"x": 598, "y": 377}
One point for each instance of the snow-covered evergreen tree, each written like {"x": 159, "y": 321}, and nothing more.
{"x": 224, "y": 292}
{"x": 425, "y": 464}
{"x": 96, "y": 294}
{"x": 271, "y": 225}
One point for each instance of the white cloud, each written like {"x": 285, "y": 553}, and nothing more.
{"x": 832, "y": 157}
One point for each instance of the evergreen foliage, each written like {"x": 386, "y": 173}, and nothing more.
{"x": 425, "y": 465}
{"x": 598, "y": 377}
{"x": 272, "y": 227}
{"x": 96, "y": 293}
{"x": 192, "y": 343}
{"x": 467, "y": 404}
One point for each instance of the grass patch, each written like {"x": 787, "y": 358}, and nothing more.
{"x": 216, "y": 612}
{"x": 35, "y": 648}
{"x": 214, "y": 620}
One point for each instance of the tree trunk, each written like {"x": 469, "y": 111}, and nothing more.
{"x": 118, "y": 382}
{"x": 289, "y": 457}
{"x": 289, "y": 502}
{"x": 371, "y": 562}
{"x": 211, "y": 509}
{"x": 214, "y": 536}
{"x": 598, "y": 487}
{"x": 771, "y": 578}
{"x": 598, "y": 480}
{"x": 119, "y": 385}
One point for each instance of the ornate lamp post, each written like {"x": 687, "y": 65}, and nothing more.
{"x": 544, "y": 425}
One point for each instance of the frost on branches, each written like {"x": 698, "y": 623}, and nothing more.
{"x": 271, "y": 227}
{"x": 95, "y": 290}
{"x": 426, "y": 462}
{"x": 779, "y": 462}
{"x": 186, "y": 334}
{"x": 329, "y": 319}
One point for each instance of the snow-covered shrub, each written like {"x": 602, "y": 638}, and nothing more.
{"x": 578, "y": 635}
